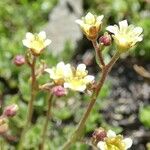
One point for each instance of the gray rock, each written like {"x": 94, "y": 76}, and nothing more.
{"x": 62, "y": 27}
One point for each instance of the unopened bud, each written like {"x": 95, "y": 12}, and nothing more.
{"x": 59, "y": 91}
{"x": 19, "y": 60}
{"x": 3, "y": 125}
{"x": 11, "y": 110}
{"x": 105, "y": 39}
{"x": 98, "y": 135}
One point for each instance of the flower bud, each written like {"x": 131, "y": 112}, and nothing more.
{"x": 19, "y": 60}
{"x": 3, "y": 125}
{"x": 105, "y": 39}
{"x": 59, "y": 91}
{"x": 98, "y": 135}
{"x": 11, "y": 110}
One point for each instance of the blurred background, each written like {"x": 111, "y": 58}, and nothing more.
{"x": 124, "y": 102}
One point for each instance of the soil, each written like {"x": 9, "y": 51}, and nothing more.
{"x": 129, "y": 92}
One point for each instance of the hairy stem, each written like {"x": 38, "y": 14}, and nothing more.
{"x": 43, "y": 137}
{"x": 33, "y": 93}
{"x": 77, "y": 133}
{"x": 30, "y": 104}
{"x": 2, "y": 143}
{"x": 98, "y": 53}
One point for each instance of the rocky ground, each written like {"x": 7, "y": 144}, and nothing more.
{"x": 129, "y": 92}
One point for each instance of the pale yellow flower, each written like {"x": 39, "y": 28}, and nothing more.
{"x": 36, "y": 42}
{"x": 114, "y": 142}
{"x": 71, "y": 78}
{"x": 125, "y": 36}
{"x": 91, "y": 25}
{"x": 80, "y": 79}
{"x": 60, "y": 72}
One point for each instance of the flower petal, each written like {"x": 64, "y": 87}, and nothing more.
{"x": 48, "y": 70}
{"x": 89, "y": 18}
{"x": 66, "y": 85}
{"x": 26, "y": 43}
{"x": 101, "y": 145}
{"x": 47, "y": 42}
{"x": 81, "y": 88}
{"x": 42, "y": 35}
{"x": 99, "y": 18}
{"x": 60, "y": 65}
{"x": 68, "y": 71}
{"x": 128, "y": 142}
{"x": 51, "y": 72}
{"x": 137, "y": 30}
{"x": 140, "y": 38}
{"x": 111, "y": 134}
{"x": 29, "y": 36}
{"x": 113, "y": 29}
{"x": 89, "y": 79}
{"x": 81, "y": 67}
{"x": 80, "y": 22}
{"x": 123, "y": 25}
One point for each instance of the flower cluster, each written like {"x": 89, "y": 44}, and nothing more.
{"x": 125, "y": 36}
{"x": 74, "y": 79}
{"x": 64, "y": 76}
{"x": 111, "y": 141}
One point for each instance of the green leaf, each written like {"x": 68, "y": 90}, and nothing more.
{"x": 144, "y": 115}
{"x": 62, "y": 113}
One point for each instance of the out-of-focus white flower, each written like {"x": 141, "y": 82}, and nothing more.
{"x": 125, "y": 36}
{"x": 114, "y": 142}
{"x": 60, "y": 72}
{"x": 36, "y": 42}
{"x": 91, "y": 25}
{"x": 74, "y": 79}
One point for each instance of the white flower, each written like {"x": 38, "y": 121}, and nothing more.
{"x": 74, "y": 79}
{"x": 81, "y": 70}
{"x": 60, "y": 72}
{"x": 128, "y": 142}
{"x": 80, "y": 80}
{"x": 102, "y": 145}
{"x": 79, "y": 84}
{"x": 90, "y": 24}
{"x": 125, "y": 36}
{"x": 114, "y": 142}
{"x": 111, "y": 134}
{"x": 36, "y": 42}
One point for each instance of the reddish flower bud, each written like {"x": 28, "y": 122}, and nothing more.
{"x": 59, "y": 91}
{"x": 105, "y": 39}
{"x": 3, "y": 125}
{"x": 19, "y": 60}
{"x": 11, "y": 110}
{"x": 98, "y": 135}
